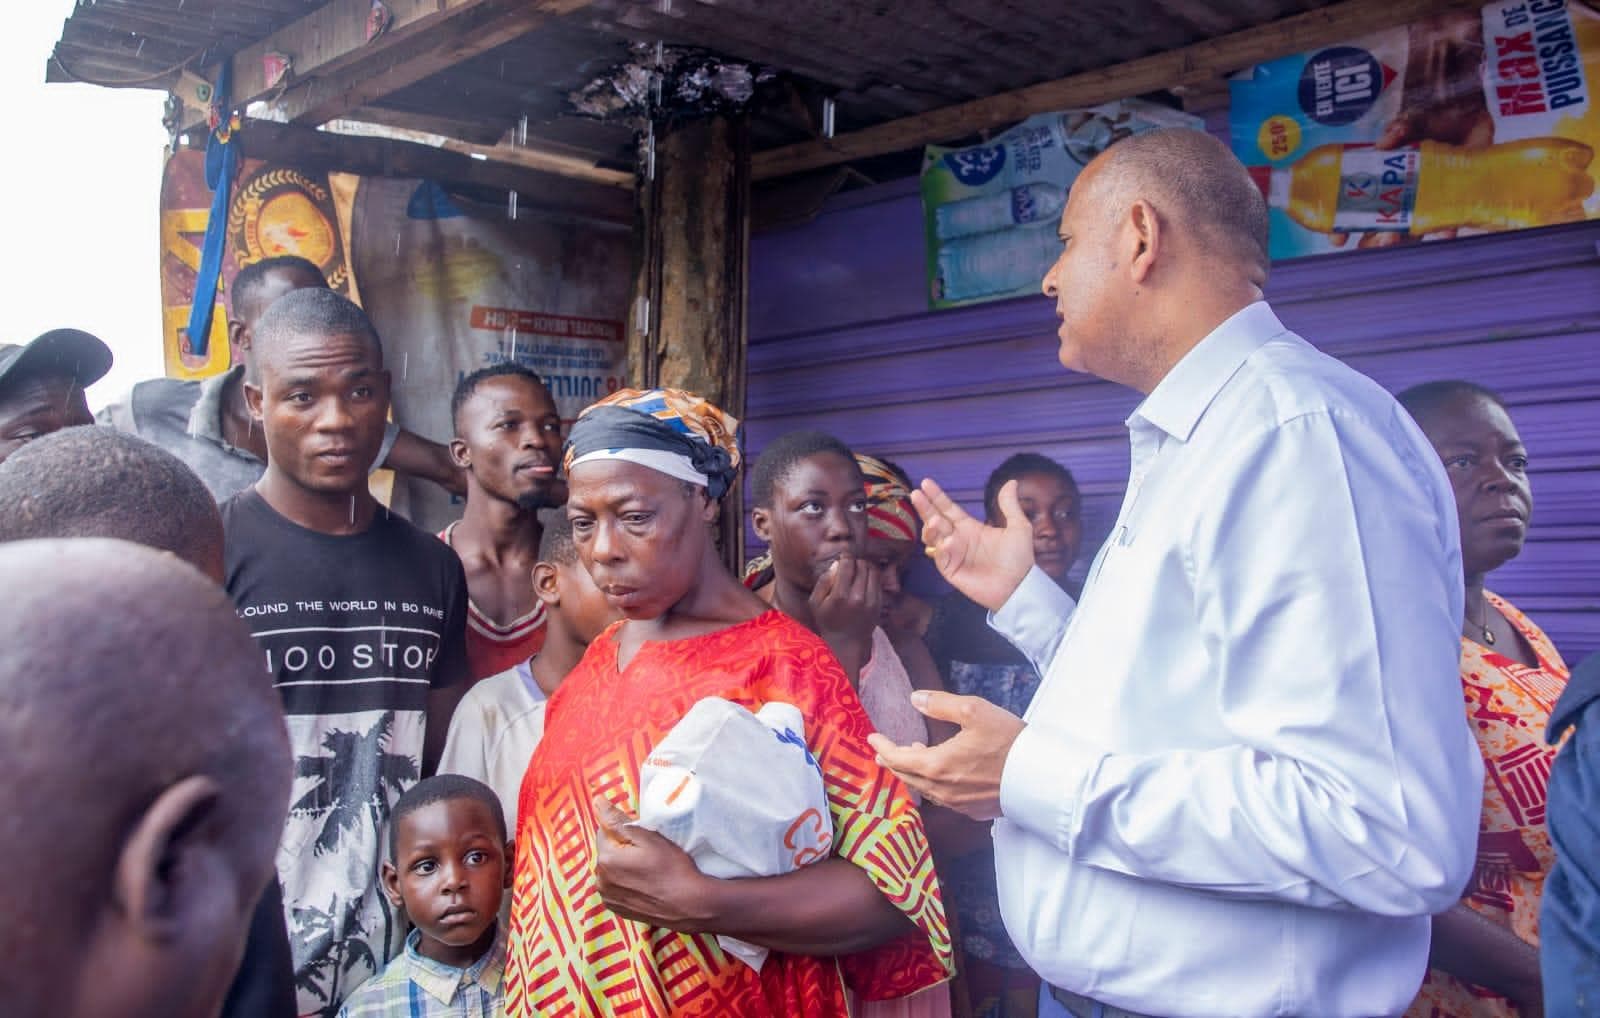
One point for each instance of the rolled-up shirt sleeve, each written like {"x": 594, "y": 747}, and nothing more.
{"x": 1327, "y": 592}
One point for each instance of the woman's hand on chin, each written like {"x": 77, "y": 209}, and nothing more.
{"x": 846, "y": 604}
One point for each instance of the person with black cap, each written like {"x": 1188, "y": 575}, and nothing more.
{"x": 42, "y": 383}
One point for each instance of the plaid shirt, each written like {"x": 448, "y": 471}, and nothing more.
{"x": 412, "y": 986}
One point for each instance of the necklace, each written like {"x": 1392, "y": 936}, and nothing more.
{"x": 1481, "y": 623}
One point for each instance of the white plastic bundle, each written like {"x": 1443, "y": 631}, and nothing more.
{"x": 739, "y": 792}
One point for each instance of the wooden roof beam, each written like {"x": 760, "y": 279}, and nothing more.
{"x": 337, "y": 70}
{"x": 530, "y": 157}
{"x": 475, "y": 131}
{"x": 536, "y": 158}
{"x": 1197, "y": 65}
{"x": 313, "y": 150}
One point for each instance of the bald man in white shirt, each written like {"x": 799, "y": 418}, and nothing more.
{"x": 1246, "y": 780}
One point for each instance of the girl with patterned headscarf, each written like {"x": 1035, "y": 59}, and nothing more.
{"x": 608, "y": 918}
{"x": 894, "y": 539}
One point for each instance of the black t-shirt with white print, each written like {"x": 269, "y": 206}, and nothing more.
{"x": 355, "y": 630}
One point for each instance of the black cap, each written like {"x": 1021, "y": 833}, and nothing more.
{"x": 71, "y": 352}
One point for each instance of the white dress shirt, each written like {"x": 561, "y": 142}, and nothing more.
{"x": 1247, "y": 779}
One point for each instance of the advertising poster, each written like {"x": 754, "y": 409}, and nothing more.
{"x": 451, "y": 286}
{"x": 1466, "y": 123}
{"x": 275, "y": 210}
{"x": 454, "y": 285}
{"x": 990, "y": 211}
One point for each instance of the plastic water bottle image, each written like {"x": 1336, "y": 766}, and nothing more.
{"x": 991, "y": 263}
{"x": 1030, "y": 203}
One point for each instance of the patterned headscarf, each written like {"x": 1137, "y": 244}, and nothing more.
{"x": 668, "y": 430}
{"x": 889, "y": 511}
{"x": 758, "y": 572}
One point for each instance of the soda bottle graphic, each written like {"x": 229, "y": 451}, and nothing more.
{"x": 991, "y": 263}
{"x": 1030, "y": 203}
{"x": 1422, "y": 188}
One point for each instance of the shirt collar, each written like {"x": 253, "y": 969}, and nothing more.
{"x": 205, "y": 420}
{"x": 1180, "y": 399}
{"x": 442, "y": 982}
{"x": 524, "y": 671}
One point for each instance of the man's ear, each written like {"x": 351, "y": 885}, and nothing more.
{"x": 711, "y": 510}
{"x": 761, "y": 523}
{"x": 546, "y": 584}
{"x": 460, "y": 455}
{"x": 238, "y": 341}
{"x": 174, "y": 868}
{"x": 252, "y": 399}
{"x": 1145, "y": 226}
{"x": 511, "y": 856}
{"x": 389, "y": 877}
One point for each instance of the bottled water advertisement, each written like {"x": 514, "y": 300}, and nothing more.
{"x": 1468, "y": 122}
{"x": 991, "y": 210}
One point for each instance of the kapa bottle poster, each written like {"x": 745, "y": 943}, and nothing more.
{"x": 1465, "y": 123}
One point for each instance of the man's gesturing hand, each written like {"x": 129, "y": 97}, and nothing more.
{"x": 983, "y": 562}
{"x": 962, "y": 772}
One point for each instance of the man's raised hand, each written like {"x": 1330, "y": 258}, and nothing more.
{"x": 983, "y": 562}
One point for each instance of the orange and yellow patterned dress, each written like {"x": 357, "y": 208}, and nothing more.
{"x": 1508, "y": 705}
{"x": 572, "y": 956}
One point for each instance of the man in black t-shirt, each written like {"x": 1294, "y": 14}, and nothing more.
{"x": 361, "y": 619}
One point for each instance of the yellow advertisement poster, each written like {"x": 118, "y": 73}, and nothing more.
{"x": 1466, "y": 123}
{"x": 274, "y": 211}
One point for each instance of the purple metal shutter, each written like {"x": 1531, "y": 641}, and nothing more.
{"x": 841, "y": 339}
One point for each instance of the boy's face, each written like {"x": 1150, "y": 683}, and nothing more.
{"x": 450, "y": 870}
{"x": 583, "y": 607}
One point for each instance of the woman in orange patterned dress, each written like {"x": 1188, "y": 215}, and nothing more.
{"x": 1484, "y": 959}
{"x": 609, "y": 919}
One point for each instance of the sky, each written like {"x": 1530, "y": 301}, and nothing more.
{"x": 81, "y": 177}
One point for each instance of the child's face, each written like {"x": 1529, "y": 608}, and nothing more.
{"x": 449, "y": 872}
{"x": 818, "y": 513}
{"x": 584, "y": 608}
